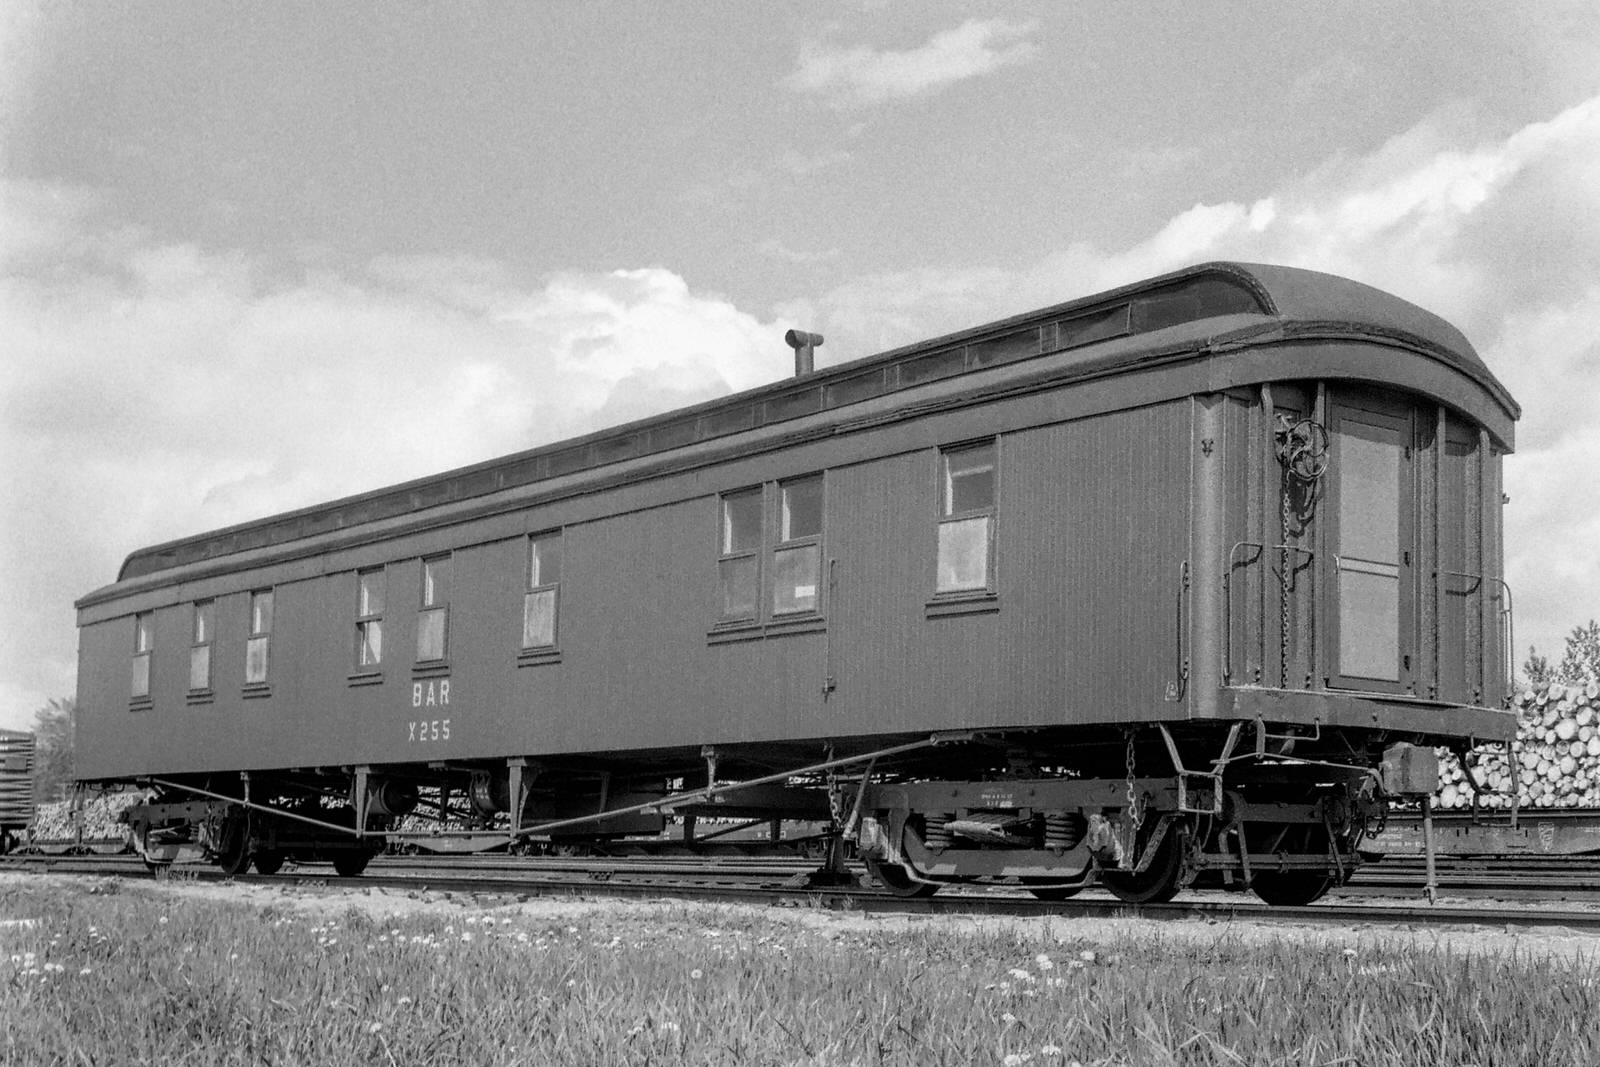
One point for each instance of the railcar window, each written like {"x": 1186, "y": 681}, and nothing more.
{"x": 1004, "y": 349}
{"x": 200, "y": 646}
{"x": 540, "y": 603}
{"x": 797, "y": 560}
{"x": 1368, "y": 455}
{"x": 1087, "y": 329}
{"x": 739, "y": 567}
{"x": 966, "y": 519}
{"x": 369, "y": 618}
{"x": 142, "y": 642}
{"x": 433, "y": 617}
{"x": 256, "y": 648}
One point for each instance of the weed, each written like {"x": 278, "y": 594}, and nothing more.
{"x": 137, "y": 977}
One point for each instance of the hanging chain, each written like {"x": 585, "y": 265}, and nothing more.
{"x": 1135, "y": 809}
{"x": 1283, "y": 594}
{"x": 1302, "y": 449}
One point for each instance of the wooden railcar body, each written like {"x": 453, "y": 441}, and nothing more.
{"x": 1147, "y": 563}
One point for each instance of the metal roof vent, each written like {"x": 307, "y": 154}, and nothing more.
{"x": 805, "y": 350}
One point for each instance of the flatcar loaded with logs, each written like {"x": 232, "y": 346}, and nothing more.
{"x": 1179, "y": 584}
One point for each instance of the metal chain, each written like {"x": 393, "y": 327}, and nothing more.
{"x": 1135, "y": 810}
{"x": 1283, "y": 594}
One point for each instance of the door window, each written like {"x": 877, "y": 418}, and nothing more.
{"x": 1369, "y": 463}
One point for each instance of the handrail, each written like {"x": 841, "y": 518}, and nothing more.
{"x": 1227, "y": 592}
{"x": 1508, "y": 619}
{"x": 1180, "y": 684}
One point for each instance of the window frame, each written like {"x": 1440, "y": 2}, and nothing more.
{"x": 369, "y": 618}
{"x": 764, "y": 619}
{"x": 538, "y": 582}
{"x": 728, "y": 554}
{"x": 143, "y": 654}
{"x": 434, "y": 600}
{"x": 946, "y": 514}
{"x": 1372, "y": 411}
{"x": 781, "y": 545}
{"x": 258, "y": 625}
{"x": 202, "y": 636}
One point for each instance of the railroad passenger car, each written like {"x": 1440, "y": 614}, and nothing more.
{"x": 1171, "y": 585}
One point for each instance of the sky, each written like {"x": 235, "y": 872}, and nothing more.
{"x": 257, "y": 256}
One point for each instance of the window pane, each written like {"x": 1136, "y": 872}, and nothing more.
{"x": 430, "y": 634}
{"x": 539, "y": 619}
{"x": 141, "y": 633}
{"x": 741, "y": 522}
{"x": 261, "y": 612}
{"x": 1369, "y": 623}
{"x": 739, "y": 588}
{"x": 202, "y": 623}
{"x": 794, "y": 579}
{"x": 969, "y": 480}
{"x": 255, "y": 660}
{"x": 545, "y": 564}
{"x": 200, "y": 667}
{"x": 1368, "y": 460}
{"x": 371, "y": 595}
{"x": 435, "y": 579}
{"x": 370, "y": 635}
{"x": 802, "y": 509}
{"x": 141, "y": 675}
{"x": 963, "y": 554}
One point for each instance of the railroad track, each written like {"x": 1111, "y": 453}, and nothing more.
{"x": 771, "y": 883}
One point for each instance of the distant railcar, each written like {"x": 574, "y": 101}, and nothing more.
{"x": 1173, "y": 585}
{"x": 17, "y": 802}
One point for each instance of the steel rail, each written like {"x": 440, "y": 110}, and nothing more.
{"x": 725, "y": 886}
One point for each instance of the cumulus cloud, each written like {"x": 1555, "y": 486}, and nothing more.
{"x": 155, "y": 390}
{"x": 861, "y": 76}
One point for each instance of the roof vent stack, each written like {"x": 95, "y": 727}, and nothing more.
{"x": 805, "y": 350}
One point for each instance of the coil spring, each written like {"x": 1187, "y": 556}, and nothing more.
{"x": 935, "y": 834}
{"x": 1062, "y": 830}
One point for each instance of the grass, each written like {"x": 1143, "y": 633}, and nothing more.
{"x": 108, "y": 976}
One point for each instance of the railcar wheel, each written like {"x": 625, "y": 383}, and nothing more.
{"x": 895, "y": 878}
{"x": 1158, "y": 883}
{"x": 350, "y": 863}
{"x": 1290, "y": 889}
{"x": 231, "y": 837}
{"x": 268, "y": 861}
{"x": 236, "y": 861}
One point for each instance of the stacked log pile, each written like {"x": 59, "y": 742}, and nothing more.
{"x": 53, "y": 822}
{"x": 1554, "y": 762}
